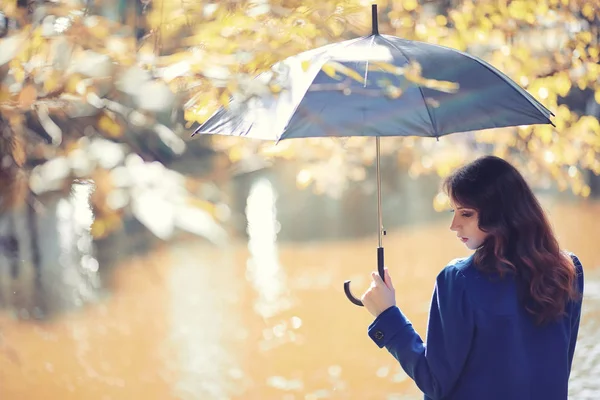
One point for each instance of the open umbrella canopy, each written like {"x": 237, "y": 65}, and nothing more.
{"x": 379, "y": 85}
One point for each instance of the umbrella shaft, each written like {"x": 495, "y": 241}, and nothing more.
{"x": 378, "y": 175}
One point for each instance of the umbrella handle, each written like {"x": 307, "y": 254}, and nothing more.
{"x": 381, "y": 271}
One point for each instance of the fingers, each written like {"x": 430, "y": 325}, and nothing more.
{"x": 388, "y": 279}
{"x": 380, "y": 295}
{"x": 377, "y": 279}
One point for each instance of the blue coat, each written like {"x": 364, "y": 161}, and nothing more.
{"x": 481, "y": 343}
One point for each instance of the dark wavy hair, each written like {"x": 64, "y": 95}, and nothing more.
{"x": 520, "y": 240}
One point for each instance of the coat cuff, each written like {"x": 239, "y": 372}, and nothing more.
{"x": 387, "y": 325}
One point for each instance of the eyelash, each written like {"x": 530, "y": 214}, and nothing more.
{"x": 464, "y": 214}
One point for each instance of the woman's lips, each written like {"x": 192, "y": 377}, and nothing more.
{"x": 464, "y": 239}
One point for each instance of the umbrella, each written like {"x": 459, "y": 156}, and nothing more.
{"x": 378, "y": 85}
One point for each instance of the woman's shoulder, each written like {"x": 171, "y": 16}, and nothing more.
{"x": 458, "y": 265}
{"x": 578, "y": 268}
{"x": 462, "y": 273}
{"x": 575, "y": 260}
{"x": 455, "y": 270}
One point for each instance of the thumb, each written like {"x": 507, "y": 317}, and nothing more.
{"x": 388, "y": 279}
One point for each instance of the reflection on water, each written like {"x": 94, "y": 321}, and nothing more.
{"x": 79, "y": 270}
{"x": 260, "y": 318}
{"x": 204, "y": 327}
{"x": 263, "y": 268}
{"x": 50, "y": 265}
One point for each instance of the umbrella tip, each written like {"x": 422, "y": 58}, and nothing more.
{"x": 196, "y": 131}
{"x": 374, "y": 21}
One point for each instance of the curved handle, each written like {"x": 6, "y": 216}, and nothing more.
{"x": 381, "y": 271}
{"x": 350, "y": 296}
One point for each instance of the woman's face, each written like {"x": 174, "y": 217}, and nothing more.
{"x": 465, "y": 222}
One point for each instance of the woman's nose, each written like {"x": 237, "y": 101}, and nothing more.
{"x": 453, "y": 225}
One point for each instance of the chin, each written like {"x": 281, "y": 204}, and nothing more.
{"x": 471, "y": 246}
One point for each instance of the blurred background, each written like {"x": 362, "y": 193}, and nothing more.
{"x": 139, "y": 263}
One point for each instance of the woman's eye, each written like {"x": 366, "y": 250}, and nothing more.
{"x": 467, "y": 214}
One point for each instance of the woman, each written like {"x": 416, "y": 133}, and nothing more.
{"x": 503, "y": 322}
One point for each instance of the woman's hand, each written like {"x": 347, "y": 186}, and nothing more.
{"x": 381, "y": 295}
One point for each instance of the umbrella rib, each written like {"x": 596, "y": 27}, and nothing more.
{"x": 326, "y": 57}
{"x": 431, "y": 118}
{"x": 367, "y": 63}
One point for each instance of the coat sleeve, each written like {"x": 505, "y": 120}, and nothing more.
{"x": 576, "y": 311}
{"x": 435, "y": 366}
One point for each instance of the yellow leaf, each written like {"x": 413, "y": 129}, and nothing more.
{"x": 71, "y": 85}
{"x": 588, "y": 11}
{"x": 517, "y": 9}
{"x": 545, "y": 133}
{"x": 27, "y": 96}
{"x": 224, "y": 99}
{"x": 275, "y": 88}
{"x": 99, "y": 30}
{"x": 597, "y": 96}
{"x": 348, "y": 72}
{"x": 37, "y": 39}
{"x": 305, "y": 65}
{"x": 585, "y": 191}
{"x": 235, "y": 154}
{"x": 432, "y": 102}
{"x": 335, "y": 26}
{"x": 441, "y": 20}
{"x": 393, "y": 91}
{"x": 442, "y": 86}
{"x": 202, "y": 205}
{"x": 19, "y": 74}
{"x": 109, "y": 126}
{"x": 533, "y": 146}
{"x": 410, "y": 5}
{"x": 18, "y": 151}
{"x": 563, "y": 84}
{"x": 4, "y": 93}
{"x": 591, "y": 123}
{"x": 232, "y": 86}
{"x": 282, "y": 150}
{"x": 541, "y": 8}
{"x": 329, "y": 69}
{"x": 387, "y": 67}
{"x": 412, "y": 72}
{"x": 585, "y": 37}
{"x": 496, "y": 19}
{"x": 441, "y": 202}
{"x": 98, "y": 229}
{"x": 9, "y": 8}
{"x": 52, "y": 83}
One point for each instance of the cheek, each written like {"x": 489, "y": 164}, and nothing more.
{"x": 477, "y": 239}
{"x": 481, "y": 235}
